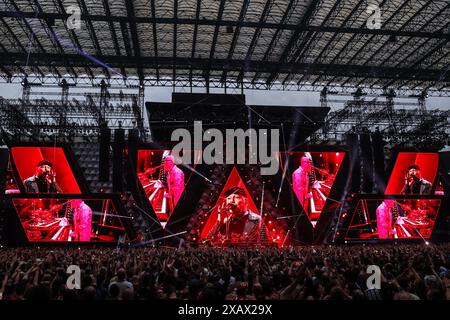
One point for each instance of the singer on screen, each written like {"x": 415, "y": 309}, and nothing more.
{"x": 44, "y": 180}
{"x": 414, "y": 184}
{"x": 236, "y": 222}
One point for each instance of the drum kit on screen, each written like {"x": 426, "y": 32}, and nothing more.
{"x": 44, "y": 222}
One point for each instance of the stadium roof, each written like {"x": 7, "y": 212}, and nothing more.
{"x": 254, "y": 43}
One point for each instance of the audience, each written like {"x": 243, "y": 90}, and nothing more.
{"x": 408, "y": 272}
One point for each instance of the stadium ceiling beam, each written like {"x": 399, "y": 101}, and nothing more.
{"x": 32, "y": 35}
{"x": 255, "y": 37}
{"x": 346, "y": 46}
{"x": 383, "y": 45}
{"x": 214, "y": 41}
{"x": 443, "y": 72}
{"x": 310, "y": 39}
{"x": 155, "y": 37}
{"x": 113, "y": 33}
{"x": 4, "y": 70}
{"x": 125, "y": 38}
{"x": 24, "y": 52}
{"x": 194, "y": 39}
{"x": 295, "y": 37}
{"x": 328, "y": 44}
{"x": 73, "y": 36}
{"x": 216, "y": 29}
{"x": 409, "y": 40}
{"x": 236, "y": 33}
{"x": 135, "y": 38}
{"x": 275, "y": 37}
{"x": 75, "y": 60}
{"x": 174, "y": 52}
{"x": 13, "y": 35}
{"x": 422, "y": 59}
{"x": 232, "y": 23}
{"x": 56, "y": 40}
{"x": 303, "y": 44}
{"x": 92, "y": 33}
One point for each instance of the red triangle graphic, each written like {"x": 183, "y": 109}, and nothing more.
{"x": 234, "y": 180}
{"x": 361, "y": 226}
{"x": 11, "y": 183}
{"x": 439, "y": 191}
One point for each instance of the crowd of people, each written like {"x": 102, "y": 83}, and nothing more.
{"x": 408, "y": 272}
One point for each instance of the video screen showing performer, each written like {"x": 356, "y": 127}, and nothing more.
{"x": 44, "y": 179}
{"x": 394, "y": 219}
{"x": 413, "y": 173}
{"x": 44, "y": 170}
{"x": 162, "y": 179}
{"x": 69, "y": 220}
{"x": 236, "y": 222}
{"x": 313, "y": 175}
{"x": 414, "y": 183}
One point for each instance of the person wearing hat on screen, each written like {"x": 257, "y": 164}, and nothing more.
{"x": 44, "y": 180}
{"x": 414, "y": 184}
{"x": 235, "y": 221}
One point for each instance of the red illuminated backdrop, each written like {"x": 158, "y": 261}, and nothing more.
{"x": 407, "y": 219}
{"x": 11, "y": 183}
{"x": 324, "y": 169}
{"x": 274, "y": 233}
{"x": 153, "y": 178}
{"x": 26, "y": 159}
{"x": 428, "y": 163}
{"x": 69, "y": 220}
{"x": 234, "y": 180}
